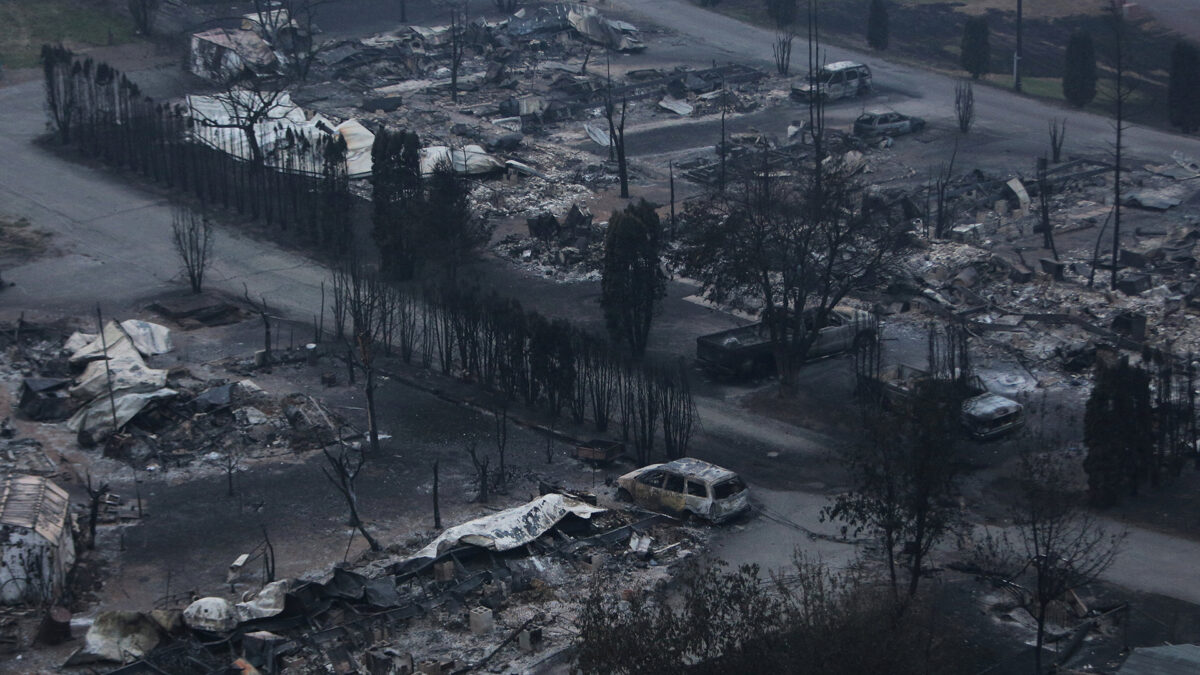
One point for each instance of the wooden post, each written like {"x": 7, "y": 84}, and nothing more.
{"x": 107, "y": 370}
{"x": 437, "y": 512}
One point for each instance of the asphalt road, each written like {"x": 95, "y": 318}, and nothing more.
{"x": 114, "y": 239}
{"x": 1015, "y": 127}
{"x": 1179, "y": 16}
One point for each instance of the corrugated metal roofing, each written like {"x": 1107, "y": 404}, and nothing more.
{"x": 34, "y": 503}
{"x": 1166, "y": 660}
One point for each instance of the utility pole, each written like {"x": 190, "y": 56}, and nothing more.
{"x": 1017, "y": 54}
{"x": 1119, "y": 28}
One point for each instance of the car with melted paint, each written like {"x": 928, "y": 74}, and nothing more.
{"x": 841, "y": 79}
{"x": 886, "y": 123}
{"x": 687, "y": 486}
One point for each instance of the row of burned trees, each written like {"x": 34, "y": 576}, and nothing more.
{"x": 520, "y": 355}
{"x": 1139, "y": 425}
{"x": 300, "y": 183}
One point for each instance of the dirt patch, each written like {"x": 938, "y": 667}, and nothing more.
{"x": 74, "y": 23}
{"x": 20, "y": 241}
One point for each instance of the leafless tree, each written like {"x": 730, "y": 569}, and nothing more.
{"x": 342, "y": 472}
{"x": 783, "y": 15}
{"x": 643, "y": 408}
{"x": 616, "y": 135}
{"x": 941, "y": 184}
{"x": 1058, "y": 133}
{"x": 1121, "y": 93}
{"x": 790, "y": 247}
{"x": 1059, "y": 545}
{"x": 1044, "y": 203}
{"x": 288, "y": 25}
{"x": 678, "y": 411}
{"x": 904, "y": 472}
{"x": 247, "y": 100}
{"x": 781, "y": 49}
{"x": 458, "y": 40}
{"x": 964, "y": 105}
{"x": 482, "y": 475}
{"x": 364, "y": 297}
{"x": 230, "y": 462}
{"x": 192, "y": 237}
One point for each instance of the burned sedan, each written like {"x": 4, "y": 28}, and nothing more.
{"x": 886, "y": 123}
{"x": 687, "y": 486}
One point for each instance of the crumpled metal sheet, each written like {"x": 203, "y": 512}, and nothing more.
{"x": 508, "y": 529}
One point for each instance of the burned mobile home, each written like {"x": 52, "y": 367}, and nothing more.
{"x": 37, "y": 540}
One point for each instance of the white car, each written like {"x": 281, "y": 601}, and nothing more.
{"x": 687, "y": 486}
{"x": 886, "y": 123}
{"x": 842, "y": 79}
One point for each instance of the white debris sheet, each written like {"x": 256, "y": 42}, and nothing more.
{"x": 510, "y": 528}
{"x": 134, "y": 384}
{"x": 467, "y": 160}
{"x": 217, "y": 119}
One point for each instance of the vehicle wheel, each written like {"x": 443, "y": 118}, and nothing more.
{"x": 623, "y": 495}
{"x": 690, "y": 519}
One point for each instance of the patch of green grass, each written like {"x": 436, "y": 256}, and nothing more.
{"x": 28, "y": 24}
{"x": 1039, "y": 87}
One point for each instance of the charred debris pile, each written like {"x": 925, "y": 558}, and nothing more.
{"x": 154, "y": 418}
{"x": 1049, "y": 298}
{"x": 503, "y": 589}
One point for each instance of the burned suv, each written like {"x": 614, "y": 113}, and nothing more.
{"x": 687, "y": 486}
{"x": 842, "y": 79}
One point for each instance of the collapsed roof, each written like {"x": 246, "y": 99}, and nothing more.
{"x": 33, "y": 503}
{"x": 584, "y": 20}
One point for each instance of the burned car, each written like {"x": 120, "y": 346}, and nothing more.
{"x": 984, "y": 414}
{"x": 989, "y": 415}
{"x": 687, "y": 486}
{"x": 748, "y": 351}
{"x": 842, "y": 79}
{"x": 886, "y": 123}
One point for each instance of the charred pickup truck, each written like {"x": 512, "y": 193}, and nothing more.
{"x": 984, "y": 414}
{"x": 748, "y": 351}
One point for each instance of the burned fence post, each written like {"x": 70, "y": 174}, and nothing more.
{"x": 501, "y": 418}
{"x": 437, "y": 510}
